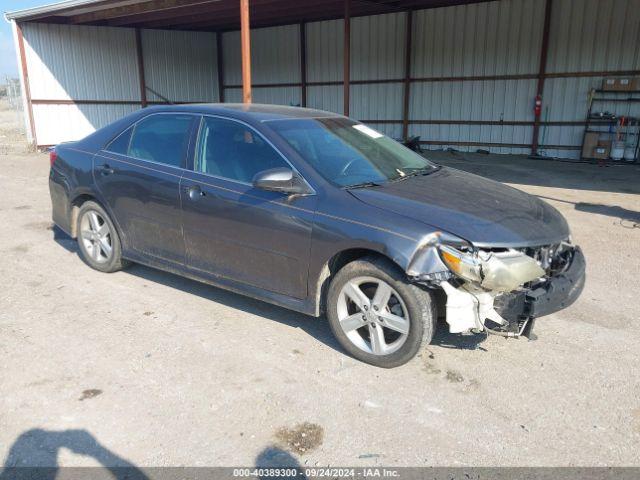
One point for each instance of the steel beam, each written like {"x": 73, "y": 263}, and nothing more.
{"x": 303, "y": 64}
{"x": 245, "y": 40}
{"x": 347, "y": 54}
{"x": 542, "y": 71}
{"x": 25, "y": 81}
{"x": 220, "y": 65}
{"x": 141, "y": 79}
{"x": 407, "y": 75}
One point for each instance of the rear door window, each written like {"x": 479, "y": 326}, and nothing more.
{"x": 162, "y": 138}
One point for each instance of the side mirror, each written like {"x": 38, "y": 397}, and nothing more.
{"x": 282, "y": 180}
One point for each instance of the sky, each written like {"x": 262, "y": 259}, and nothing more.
{"x": 8, "y": 62}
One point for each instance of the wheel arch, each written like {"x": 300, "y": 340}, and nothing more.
{"x": 74, "y": 208}
{"x": 337, "y": 261}
{"x": 79, "y": 199}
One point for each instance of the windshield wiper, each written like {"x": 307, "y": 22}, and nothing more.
{"x": 363, "y": 185}
{"x": 418, "y": 171}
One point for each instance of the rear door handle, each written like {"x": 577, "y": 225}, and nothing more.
{"x": 195, "y": 192}
{"x": 106, "y": 170}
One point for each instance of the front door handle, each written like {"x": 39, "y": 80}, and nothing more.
{"x": 106, "y": 170}
{"x": 195, "y": 192}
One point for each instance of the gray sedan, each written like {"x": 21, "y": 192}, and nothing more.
{"x": 320, "y": 214}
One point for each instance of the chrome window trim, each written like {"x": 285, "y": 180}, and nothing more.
{"x": 277, "y": 150}
{"x": 136, "y": 159}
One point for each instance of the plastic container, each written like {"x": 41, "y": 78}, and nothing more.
{"x": 617, "y": 150}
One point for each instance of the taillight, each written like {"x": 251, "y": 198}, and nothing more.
{"x": 52, "y": 157}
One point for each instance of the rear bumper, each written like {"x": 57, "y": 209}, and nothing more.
{"x": 551, "y": 296}
{"x": 59, "y": 191}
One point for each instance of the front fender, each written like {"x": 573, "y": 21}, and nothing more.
{"x": 364, "y": 228}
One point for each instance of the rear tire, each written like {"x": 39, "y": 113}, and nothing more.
{"x": 377, "y": 315}
{"x": 98, "y": 239}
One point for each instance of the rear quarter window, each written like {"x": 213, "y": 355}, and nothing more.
{"x": 121, "y": 143}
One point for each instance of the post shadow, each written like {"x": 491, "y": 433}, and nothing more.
{"x": 34, "y": 455}
{"x": 275, "y": 457}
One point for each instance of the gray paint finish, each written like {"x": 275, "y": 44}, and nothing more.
{"x": 275, "y": 247}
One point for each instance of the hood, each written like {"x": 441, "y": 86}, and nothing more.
{"x": 481, "y": 211}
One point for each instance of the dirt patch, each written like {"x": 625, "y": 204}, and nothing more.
{"x": 22, "y": 207}
{"x": 91, "y": 393}
{"x": 454, "y": 377}
{"x": 24, "y": 248}
{"x": 429, "y": 365}
{"x": 302, "y": 438}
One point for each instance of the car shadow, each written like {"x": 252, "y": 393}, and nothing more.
{"x": 457, "y": 341}
{"x": 614, "y": 211}
{"x": 519, "y": 170}
{"x": 624, "y": 214}
{"x": 35, "y": 452}
{"x": 317, "y": 328}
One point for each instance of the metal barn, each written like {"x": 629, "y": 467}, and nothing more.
{"x": 461, "y": 74}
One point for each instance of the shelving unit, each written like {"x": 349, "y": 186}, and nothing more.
{"x": 612, "y": 124}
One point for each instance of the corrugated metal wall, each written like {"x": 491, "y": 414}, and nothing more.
{"x": 99, "y": 64}
{"x": 587, "y": 36}
{"x": 463, "y": 63}
{"x": 378, "y": 53}
{"x": 180, "y": 66}
{"x": 477, "y": 40}
{"x": 275, "y": 59}
{"x": 325, "y": 59}
{"x": 78, "y": 63}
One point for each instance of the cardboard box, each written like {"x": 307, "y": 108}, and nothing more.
{"x": 590, "y": 142}
{"x": 620, "y": 84}
{"x": 625, "y": 84}
{"x": 601, "y": 152}
{"x": 610, "y": 84}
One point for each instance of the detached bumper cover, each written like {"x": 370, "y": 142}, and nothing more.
{"x": 557, "y": 293}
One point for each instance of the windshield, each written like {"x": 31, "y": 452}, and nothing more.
{"x": 349, "y": 154}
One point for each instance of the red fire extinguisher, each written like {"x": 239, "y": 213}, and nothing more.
{"x": 537, "y": 106}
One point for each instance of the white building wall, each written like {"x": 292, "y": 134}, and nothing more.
{"x": 79, "y": 63}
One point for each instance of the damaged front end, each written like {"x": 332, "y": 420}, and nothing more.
{"x": 500, "y": 291}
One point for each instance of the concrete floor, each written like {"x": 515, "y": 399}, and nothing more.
{"x": 146, "y": 368}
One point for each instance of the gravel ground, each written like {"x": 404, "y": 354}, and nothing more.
{"x": 146, "y": 368}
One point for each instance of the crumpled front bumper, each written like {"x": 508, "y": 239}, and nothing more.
{"x": 554, "y": 294}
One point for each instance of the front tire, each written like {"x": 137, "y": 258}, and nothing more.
{"x": 377, "y": 315}
{"x": 98, "y": 239}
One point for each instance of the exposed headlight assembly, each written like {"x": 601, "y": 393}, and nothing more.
{"x": 463, "y": 264}
{"x": 503, "y": 271}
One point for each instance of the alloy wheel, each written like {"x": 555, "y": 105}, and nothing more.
{"x": 96, "y": 236}
{"x": 373, "y": 315}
